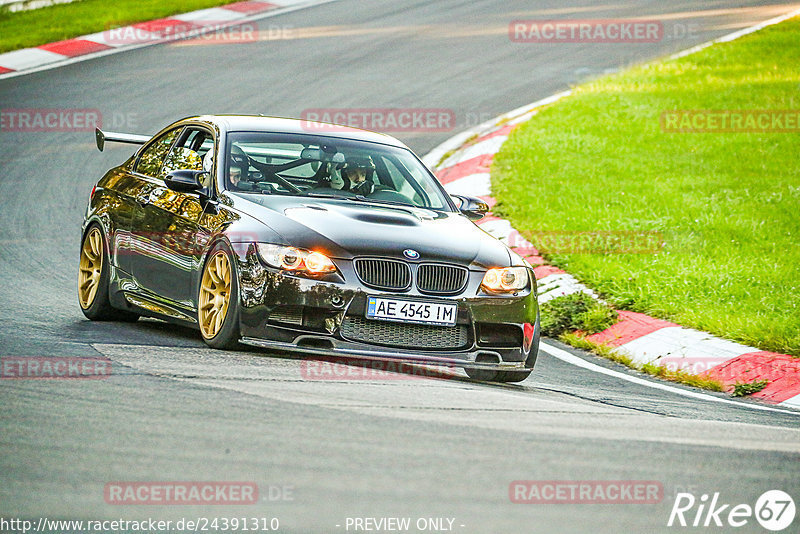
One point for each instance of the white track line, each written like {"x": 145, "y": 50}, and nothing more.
{"x": 565, "y": 356}
{"x": 432, "y": 158}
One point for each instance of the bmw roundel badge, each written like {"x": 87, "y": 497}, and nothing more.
{"x": 411, "y": 254}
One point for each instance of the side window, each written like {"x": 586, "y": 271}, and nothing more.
{"x": 150, "y": 161}
{"x": 198, "y": 140}
{"x": 188, "y": 153}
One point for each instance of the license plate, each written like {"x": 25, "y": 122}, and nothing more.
{"x": 409, "y": 311}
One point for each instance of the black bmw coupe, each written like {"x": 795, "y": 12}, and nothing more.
{"x": 309, "y": 237}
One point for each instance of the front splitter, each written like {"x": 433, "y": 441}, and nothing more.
{"x": 468, "y": 359}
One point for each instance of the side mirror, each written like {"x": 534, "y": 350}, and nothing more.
{"x": 473, "y": 208}
{"x": 184, "y": 181}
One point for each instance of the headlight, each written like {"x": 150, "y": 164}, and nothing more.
{"x": 295, "y": 259}
{"x": 505, "y": 279}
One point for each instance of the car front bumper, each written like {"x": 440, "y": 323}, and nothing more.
{"x": 288, "y": 313}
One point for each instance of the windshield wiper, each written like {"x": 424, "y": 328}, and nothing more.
{"x": 324, "y": 195}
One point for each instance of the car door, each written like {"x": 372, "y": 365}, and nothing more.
{"x": 168, "y": 223}
{"x": 139, "y": 183}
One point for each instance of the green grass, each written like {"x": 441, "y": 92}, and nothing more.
{"x": 55, "y": 23}
{"x": 727, "y": 204}
{"x": 744, "y": 389}
{"x": 573, "y": 312}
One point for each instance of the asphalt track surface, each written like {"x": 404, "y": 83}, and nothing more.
{"x": 174, "y": 410}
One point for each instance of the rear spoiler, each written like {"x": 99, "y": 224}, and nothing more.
{"x": 101, "y": 137}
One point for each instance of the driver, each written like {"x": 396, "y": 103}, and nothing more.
{"x": 357, "y": 174}
{"x": 237, "y": 167}
{"x": 235, "y": 175}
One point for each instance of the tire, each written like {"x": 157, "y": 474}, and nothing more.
{"x": 218, "y": 299}
{"x": 93, "y": 279}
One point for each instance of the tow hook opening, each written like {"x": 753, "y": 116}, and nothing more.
{"x": 487, "y": 357}
{"x": 314, "y": 342}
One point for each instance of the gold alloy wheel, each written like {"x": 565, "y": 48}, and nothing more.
{"x": 215, "y": 293}
{"x": 90, "y": 267}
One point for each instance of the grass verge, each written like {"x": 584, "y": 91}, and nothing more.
{"x": 744, "y": 389}
{"x": 574, "y": 312}
{"x": 572, "y": 317}
{"x": 25, "y": 29}
{"x": 678, "y": 376}
{"x": 725, "y": 203}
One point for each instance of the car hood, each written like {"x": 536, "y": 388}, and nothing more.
{"x": 347, "y": 229}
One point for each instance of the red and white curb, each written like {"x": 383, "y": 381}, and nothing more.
{"x": 142, "y": 34}
{"x": 462, "y": 164}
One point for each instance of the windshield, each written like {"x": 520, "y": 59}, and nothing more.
{"x": 316, "y": 166}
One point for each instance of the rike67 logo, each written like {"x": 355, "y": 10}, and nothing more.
{"x": 774, "y": 510}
